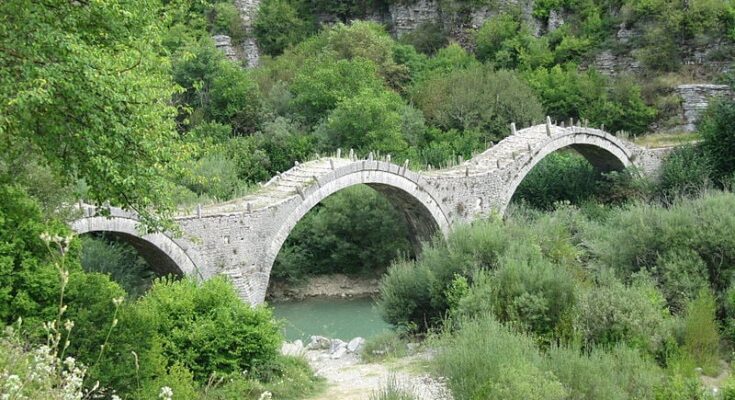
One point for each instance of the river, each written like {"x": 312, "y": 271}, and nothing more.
{"x": 331, "y": 317}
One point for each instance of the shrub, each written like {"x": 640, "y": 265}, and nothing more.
{"x": 278, "y": 26}
{"x": 526, "y": 292}
{"x": 118, "y": 260}
{"x": 614, "y": 313}
{"x": 506, "y": 42}
{"x": 701, "y": 333}
{"x": 617, "y": 373}
{"x": 682, "y": 274}
{"x": 225, "y": 19}
{"x": 560, "y": 176}
{"x": 686, "y": 171}
{"x": 392, "y": 391}
{"x": 485, "y": 360}
{"x": 208, "y": 329}
{"x": 369, "y": 121}
{"x": 477, "y": 99}
{"x": 319, "y": 86}
{"x": 718, "y": 137}
{"x": 428, "y": 37}
{"x": 385, "y": 345}
{"x": 214, "y": 175}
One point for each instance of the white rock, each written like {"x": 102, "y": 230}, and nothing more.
{"x": 318, "y": 343}
{"x": 336, "y": 345}
{"x": 292, "y": 349}
{"x": 355, "y": 344}
{"x": 341, "y": 351}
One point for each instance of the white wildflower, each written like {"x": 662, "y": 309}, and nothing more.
{"x": 266, "y": 396}
{"x": 68, "y": 325}
{"x": 117, "y": 301}
{"x": 166, "y": 393}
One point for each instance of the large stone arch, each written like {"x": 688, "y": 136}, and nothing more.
{"x": 405, "y": 189}
{"x": 604, "y": 151}
{"x": 163, "y": 254}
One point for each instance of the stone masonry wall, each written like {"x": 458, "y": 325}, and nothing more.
{"x": 695, "y": 99}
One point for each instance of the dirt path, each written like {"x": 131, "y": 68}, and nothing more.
{"x": 349, "y": 379}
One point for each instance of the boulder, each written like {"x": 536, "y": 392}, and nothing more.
{"x": 341, "y": 351}
{"x": 318, "y": 343}
{"x": 336, "y": 345}
{"x": 292, "y": 349}
{"x": 355, "y": 344}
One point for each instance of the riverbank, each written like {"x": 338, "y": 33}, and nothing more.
{"x": 334, "y": 285}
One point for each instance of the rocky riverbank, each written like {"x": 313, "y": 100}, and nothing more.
{"x": 348, "y": 378}
{"x": 335, "y": 285}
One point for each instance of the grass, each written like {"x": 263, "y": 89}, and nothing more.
{"x": 384, "y": 346}
{"x": 392, "y": 391}
{"x": 667, "y": 139}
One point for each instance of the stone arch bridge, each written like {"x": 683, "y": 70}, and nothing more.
{"x": 241, "y": 238}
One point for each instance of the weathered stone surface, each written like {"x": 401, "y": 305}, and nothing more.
{"x": 406, "y": 16}
{"x": 355, "y": 344}
{"x": 248, "y": 10}
{"x": 319, "y": 343}
{"x": 224, "y": 44}
{"x": 295, "y": 348}
{"x": 696, "y": 98}
{"x": 241, "y": 238}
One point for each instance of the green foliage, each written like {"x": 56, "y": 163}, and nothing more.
{"x": 382, "y": 346}
{"x": 87, "y": 86}
{"x": 567, "y": 93}
{"x": 701, "y": 333}
{"x": 477, "y": 99}
{"x": 634, "y": 238}
{"x": 718, "y": 137}
{"x": 327, "y": 239}
{"x": 682, "y": 274}
{"x": 319, "y": 86}
{"x": 686, "y": 171}
{"x": 527, "y": 292}
{"x": 485, "y": 360}
{"x": 278, "y": 26}
{"x": 392, "y": 391}
{"x": 614, "y": 313}
{"x": 560, "y": 176}
{"x": 225, "y": 20}
{"x": 428, "y": 37}
{"x": 615, "y": 374}
{"x": 214, "y": 175}
{"x": 207, "y": 328}
{"x": 372, "y": 121}
{"x": 118, "y": 260}
{"x": 506, "y": 42}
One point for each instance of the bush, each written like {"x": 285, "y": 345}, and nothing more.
{"x": 506, "y": 42}
{"x": 560, "y": 176}
{"x": 214, "y": 175}
{"x": 370, "y": 121}
{"x": 527, "y": 292}
{"x": 118, "y": 260}
{"x": 385, "y": 345}
{"x": 278, "y": 26}
{"x": 615, "y": 374}
{"x": 718, "y": 137}
{"x": 477, "y": 99}
{"x": 225, "y": 20}
{"x": 613, "y": 313}
{"x": 485, "y": 360}
{"x": 392, "y": 391}
{"x": 413, "y": 295}
{"x": 686, "y": 171}
{"x": 701, "y": 333}
{"x": 208, "y": 329}
{"x": 682, "y": 274}
{"x": 428, "y": 37}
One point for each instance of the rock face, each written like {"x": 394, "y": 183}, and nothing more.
{"x": 696, "y": 98}
{"x": 248, "y": 10}
{"x": 405, "y": 17}
{"x": 224, "y": 44}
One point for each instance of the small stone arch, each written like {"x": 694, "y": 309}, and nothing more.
{"x": 604, "y": 151}
{"x": 163, "y": 254}
{"x": 405, "y": 189}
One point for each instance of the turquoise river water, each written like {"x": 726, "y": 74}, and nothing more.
{"x": 331, "y": 317}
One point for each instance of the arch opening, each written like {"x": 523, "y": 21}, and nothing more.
{"x": 573, "y": 172}
{"x": 160, "y": 263}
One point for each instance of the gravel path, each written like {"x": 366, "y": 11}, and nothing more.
{"x": 350, "y": 379}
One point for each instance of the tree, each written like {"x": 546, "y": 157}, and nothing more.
{"x": 278, "y": 26}
{"x": 86, "y": 84}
